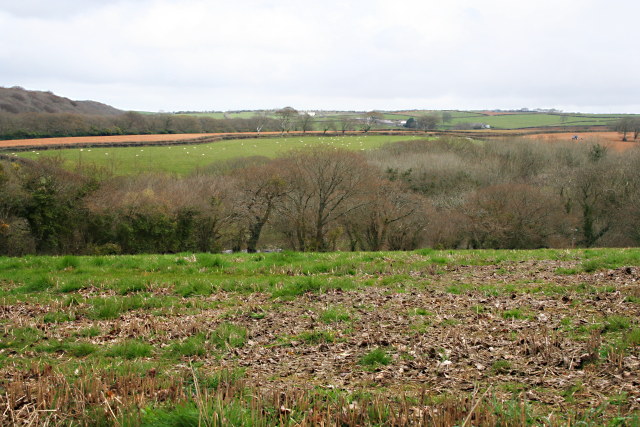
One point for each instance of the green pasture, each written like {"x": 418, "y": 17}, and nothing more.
{"x": 501, "y": 121}
{"x": 527, "y": 120}
{"x": 182, "y": 159}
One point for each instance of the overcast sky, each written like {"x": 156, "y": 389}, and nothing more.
{"x": 575, "y": 55}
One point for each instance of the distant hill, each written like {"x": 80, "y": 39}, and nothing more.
{"x": 19, "y": 100}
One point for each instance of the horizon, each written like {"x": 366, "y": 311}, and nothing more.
{"x": 550, "y": 110}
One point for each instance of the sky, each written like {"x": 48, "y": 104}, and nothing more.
{"x": 176, "y": 55}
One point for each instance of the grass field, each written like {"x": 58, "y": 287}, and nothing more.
{"x": 500, "y": 337}
{"x": 185, "y": 158}
{"x": 516, "y": 121}
{"x": 511, "y": 120}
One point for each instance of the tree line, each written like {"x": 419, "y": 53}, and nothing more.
{"x": 44, "y": 125}
{"x": 449, "y": 193}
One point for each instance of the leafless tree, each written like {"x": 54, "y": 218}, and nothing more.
{"x": 388, "y": 209}
{"x": 305, "y": 122}
{"x": 370, "y": 119}
{"x": 346, "y": 123}
{"x": 624, "y": 126}
{"x": 260, "y": 190}
{"x": 324, "y": 185}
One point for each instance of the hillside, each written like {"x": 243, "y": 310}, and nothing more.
{"x": 19, "y": 100}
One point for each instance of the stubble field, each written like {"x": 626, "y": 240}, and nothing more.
{"x": 392, "y": 338}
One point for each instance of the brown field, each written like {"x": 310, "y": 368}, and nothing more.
{"x": 111, "y": 139}
{"x": 610, "y": 139}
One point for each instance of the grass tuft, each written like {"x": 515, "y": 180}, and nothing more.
{"x": 616, "y": 324}
{"x": 228, "y": 335}
{"x": 131, "y": 349}
{"x": 375, "y": 357}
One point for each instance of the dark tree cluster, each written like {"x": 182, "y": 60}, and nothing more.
{"x": 44, "y": 125}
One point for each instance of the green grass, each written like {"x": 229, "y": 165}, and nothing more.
{"x": 616, "y": 324}
{"x": 190, "y": 347}
{"x": 527, "y": 120}
{"x": 514, "y": 313}
{"x": 375, "y": 357}
{"x": 228, "y": 335}
{"x": 500, "y": 367}
{"x": 183, "y": 159}
{"x": 132, "y": 349}
{"x": 335, "y": 314}
{"x": 310, "y": 284}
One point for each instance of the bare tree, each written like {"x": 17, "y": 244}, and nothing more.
{"x": 324, "y": 185}
{"x": 370, "y": 119}
{"x": 260, "y": 190}
{"x": 446, "y": 117}
{"x": 260, "y": 120}
{"x": 286, "y": 118}
{"x": 512, "y": 216}
{"x": 346, "y": 123}
{"x": 305, "y": 122}
{"x": 388, "y": 209}
{"x": 327, "y": 125}
{"x": 635, "y": 127}
{"x": 623, "y": 126}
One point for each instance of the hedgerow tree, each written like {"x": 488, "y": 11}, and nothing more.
{"x": 428, "y": 121}
{"x": 53, "y": 206}
{"x": 624, "y": 126}
{"x": 305, "y": 122}
{"x": 286, "y": 118}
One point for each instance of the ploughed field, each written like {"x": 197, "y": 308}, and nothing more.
{"x": 392, "y": 338}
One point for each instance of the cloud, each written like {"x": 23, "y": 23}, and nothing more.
{"x": 196, "y": 54}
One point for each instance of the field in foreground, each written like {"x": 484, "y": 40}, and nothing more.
{"x": 437, "y": 337}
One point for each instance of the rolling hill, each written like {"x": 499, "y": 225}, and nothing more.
{"x": 18, "y": 100}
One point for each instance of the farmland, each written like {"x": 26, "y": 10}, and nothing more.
{"x": 185, "y": 158}
{"x": 494, "y": 337}
{"x": 497, "y": 120}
